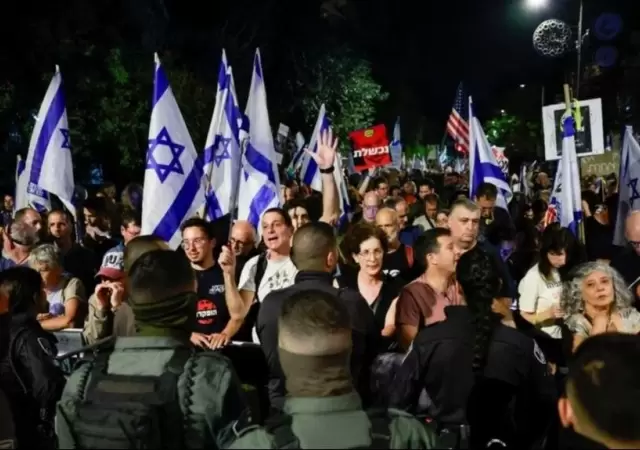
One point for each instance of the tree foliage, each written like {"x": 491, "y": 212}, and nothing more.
{"x": 343, "y": 82}
{"x": 518, "y": 136}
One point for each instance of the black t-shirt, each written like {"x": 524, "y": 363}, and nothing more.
{"x": 210, "y": 314}
{"x": 397, "y": 265}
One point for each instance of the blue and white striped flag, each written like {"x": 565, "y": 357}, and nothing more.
{"x": 346, "y": 212}
{"x": 223, "y": 148}
{"x": 483, "y": 166}
{"x": 260, "y": 182}
{"x": 310, "y": 173}
{"x": 629, "y": 190}
{"x": 297, "y": 158}
{"x": 569, "y": 200}
{"x": 173, "y": 189}
{"x": 37, "y": 198}
{"x": 212, "y": 137}
{"x": 396, "y": 147}
{"x": 49, "y": 163}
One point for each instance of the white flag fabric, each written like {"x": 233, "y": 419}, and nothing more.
{"x": 49, "y": 163}
{"x": 37, "y": 198}
{"x": 223, "y": 145}
{"x": 310, "y": 171}
{"x": 569, "y": 204}
{"x": 260, "y": 181}
{"x": 396, "y": 147}
{"x": 628, "y": 191}
{"x": 483, "y": 166}
{"x": 173, "y": 189}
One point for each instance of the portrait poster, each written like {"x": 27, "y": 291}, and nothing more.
{"x": 589, "y": 140}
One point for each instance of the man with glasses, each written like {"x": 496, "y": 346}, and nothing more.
{"x": 243, "y": 244}
{"x": 212, "y": 324}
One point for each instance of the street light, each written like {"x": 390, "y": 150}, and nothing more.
{"x": 536, "y": 4}
{"x": 503, "y": 112}
{"x": 522, "y": 86}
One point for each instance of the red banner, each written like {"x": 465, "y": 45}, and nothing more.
{"x": 370, "y": 148}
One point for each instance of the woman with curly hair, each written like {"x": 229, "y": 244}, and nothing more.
{"x": 596, "y": 300}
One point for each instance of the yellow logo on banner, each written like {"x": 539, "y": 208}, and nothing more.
{"x": 368, "y": 133}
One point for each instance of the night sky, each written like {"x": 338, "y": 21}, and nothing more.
{"x": 420, "y": 49}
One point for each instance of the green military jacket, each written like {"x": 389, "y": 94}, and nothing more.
{"x": 337, "y": 422}
{"x": 209, "y": 392}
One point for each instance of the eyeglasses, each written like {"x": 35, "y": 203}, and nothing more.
{"x": 197, "y": 242}
{"x": 239, "y": 243}
{"x": 377, "y": 253}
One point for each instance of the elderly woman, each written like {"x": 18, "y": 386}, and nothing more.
{"x": 596, "y": 301}
{"x": 65, "y": 294}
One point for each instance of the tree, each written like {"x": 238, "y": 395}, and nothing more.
{"x": 520, "y": 138}
{"x": 343, "y": 82}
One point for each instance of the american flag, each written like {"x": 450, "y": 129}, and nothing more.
{"x": 458, "y": 124}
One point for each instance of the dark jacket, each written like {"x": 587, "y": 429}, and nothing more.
{"x": 440, "y": 362}
{"x": 365, "y": 333}
{"x": 32, "y": 382}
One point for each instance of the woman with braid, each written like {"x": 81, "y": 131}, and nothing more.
{"x": 485, "y": 382}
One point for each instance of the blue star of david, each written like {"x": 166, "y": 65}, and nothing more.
{"x": 65, "y": 135}
{"x": 163, "y": 170}
{"x": 221, "y": 152}
{"x": 635, "y": 195}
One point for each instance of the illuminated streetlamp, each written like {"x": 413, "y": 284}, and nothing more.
{"x": 536, "y": 4}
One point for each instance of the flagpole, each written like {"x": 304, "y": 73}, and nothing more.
{"x": 567, "y": 101}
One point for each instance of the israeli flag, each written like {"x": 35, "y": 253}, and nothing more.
{"x": 483, "y": 166}
{"x": 629, "y": 191}
{"x": 396, "y": 147}
{"x": 346, "y": 212}
{"x": 49, "y": 165}
{"x": 173, "y": 189}
{"x": 569, "y": 200}
{"x": 223, "y": 146}
{"x": 297, "y": 158}
{"x": 212, "y": 137}
{"x": 38, "y": 199}
{"x": 260, "y": 181}
{"x": 310, "y": 172}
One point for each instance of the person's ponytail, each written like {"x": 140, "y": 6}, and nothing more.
{"x": 480, "y": 283}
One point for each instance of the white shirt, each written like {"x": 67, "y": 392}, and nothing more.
{"x": 538, "y": 294}
{"x": 278, "y": 275}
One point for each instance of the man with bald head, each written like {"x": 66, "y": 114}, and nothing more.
{"x": 315, "y": 254}
{"x": 398, "y": 262}
{"x": 314, "y": 343}
{"x": 243, "y": 239}
{"x": 627, "y": 261}
{"x": 370, "y": 205}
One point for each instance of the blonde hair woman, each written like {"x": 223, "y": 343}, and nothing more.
{"x": 596, "y": 301}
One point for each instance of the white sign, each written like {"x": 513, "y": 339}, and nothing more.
{"x": 589, "y": 140}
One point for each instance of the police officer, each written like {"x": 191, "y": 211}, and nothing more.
{"x": 474, "y": 368}
{"x": 29, "y": 376}
{"x": 322, "y": 409}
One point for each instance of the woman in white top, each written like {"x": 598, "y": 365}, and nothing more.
{"x": 541, "y": 290}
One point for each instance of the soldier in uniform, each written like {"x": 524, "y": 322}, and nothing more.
{"x": 322, "y": 409}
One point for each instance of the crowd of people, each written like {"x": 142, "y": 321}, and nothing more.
{"x": 428, "y": 320}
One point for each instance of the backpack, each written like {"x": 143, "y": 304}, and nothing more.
{"x": 7, "y": 426}
{"x": 124, "y": 411}
{"x": 279, "y": 426}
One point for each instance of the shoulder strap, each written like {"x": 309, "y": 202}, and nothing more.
{"x": 380, "y": 429}
{"x": 261, "y": 268}
{"x": 408, "y": 251}
{"x": 279, "y": 426}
